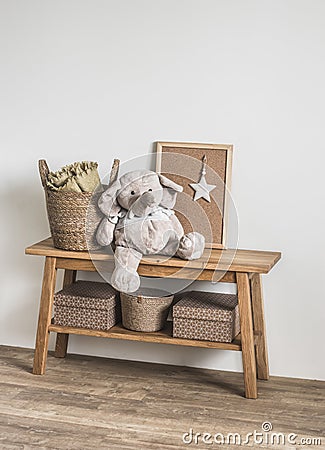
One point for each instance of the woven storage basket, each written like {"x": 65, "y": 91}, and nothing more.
{"x": 145, "y": 310}
{"x": 73, "y": 216}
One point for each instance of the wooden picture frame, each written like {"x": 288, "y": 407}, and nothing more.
{"x": 182, "y": 163}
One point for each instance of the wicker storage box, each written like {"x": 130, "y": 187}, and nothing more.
{"x": 145, "y": 310}
{"x": 87, "y": 304}
{"x": 206, "y": 316}
{"x": 73, "y": 216}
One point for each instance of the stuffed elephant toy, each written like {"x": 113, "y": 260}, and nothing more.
{"x": 140, "y": 221}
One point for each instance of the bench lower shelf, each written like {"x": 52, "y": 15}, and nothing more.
{"x": 159, "y": 337}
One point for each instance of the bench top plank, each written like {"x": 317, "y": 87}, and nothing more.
{"x": 231, "y": 260}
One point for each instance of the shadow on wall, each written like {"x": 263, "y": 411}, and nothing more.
{"x": 25, "y": 223}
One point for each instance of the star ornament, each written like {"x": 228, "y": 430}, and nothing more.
{"x": 202, "y": 188}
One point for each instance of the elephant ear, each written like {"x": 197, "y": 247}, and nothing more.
{"x": 170, "y": 190}
{"x": 107, "y": 202}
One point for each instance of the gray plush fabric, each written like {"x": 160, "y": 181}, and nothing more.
{"x": 140, "y": 220}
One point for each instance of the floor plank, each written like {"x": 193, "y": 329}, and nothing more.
{"x": 85, "y": 402}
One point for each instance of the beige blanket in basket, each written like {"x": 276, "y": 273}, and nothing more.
{"x": 78, "y": 177}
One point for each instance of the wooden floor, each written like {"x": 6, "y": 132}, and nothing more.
{"x": 96, "y": 403}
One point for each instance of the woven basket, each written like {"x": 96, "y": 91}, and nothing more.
{"x": 146, "y": 309}
{"x": 73, "y": 216}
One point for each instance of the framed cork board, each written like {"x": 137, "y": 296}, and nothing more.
{"x": 202, "y": 206}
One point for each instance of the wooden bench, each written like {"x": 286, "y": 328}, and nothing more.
{"x": 243, "y": 267}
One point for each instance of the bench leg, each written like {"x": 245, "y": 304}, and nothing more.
{"x": 247, "y": 336}
{"x": 62, "y": 339}
{"x": 259, "y": 327}
{"x": 44, "y": 317}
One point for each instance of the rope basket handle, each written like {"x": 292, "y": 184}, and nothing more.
{"x": 114, "y": 171}
{"x": 43, "y": 171}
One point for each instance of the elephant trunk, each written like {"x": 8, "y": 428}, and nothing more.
{"x": 144, "y": 205}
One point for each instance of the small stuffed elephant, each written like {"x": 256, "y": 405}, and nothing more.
{"x": 139, "y": 218}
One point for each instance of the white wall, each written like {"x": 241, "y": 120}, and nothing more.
{"x": 93, "y": 79}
